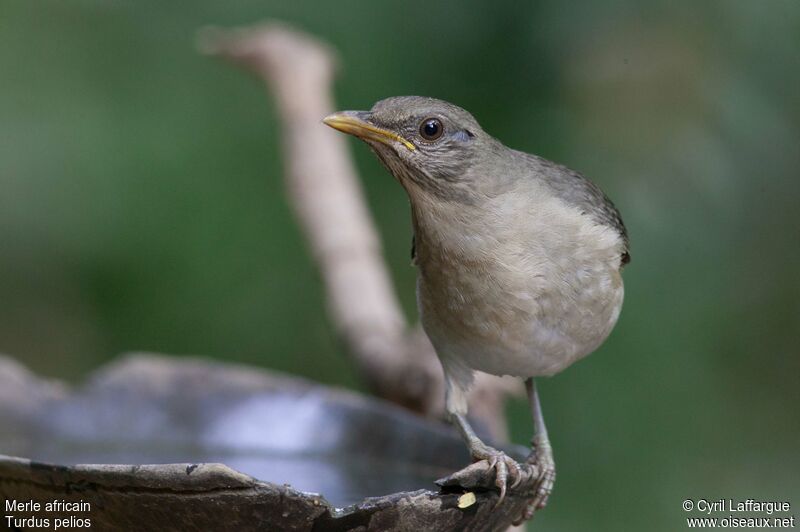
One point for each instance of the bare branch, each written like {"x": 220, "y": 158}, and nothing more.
{"x": 397, "y": 360}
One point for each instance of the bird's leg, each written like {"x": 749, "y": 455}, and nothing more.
{"x": 542, "y": 454}
{"x": 498, "y": 460}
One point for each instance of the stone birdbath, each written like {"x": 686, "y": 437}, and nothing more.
{"x": 164, "y": 443}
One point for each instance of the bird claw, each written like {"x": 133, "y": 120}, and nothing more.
{"x": 504, "y": 467}
{"x": 543, "y": 490}
{"x": 543, "y": 459}
{"x": 544, "y": 487}
{"x": 518, "y": 480}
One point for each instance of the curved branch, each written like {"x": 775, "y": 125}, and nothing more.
{"x": 396, "y": 359}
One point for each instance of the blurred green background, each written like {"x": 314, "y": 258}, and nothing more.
{"x": 141, "y": 208}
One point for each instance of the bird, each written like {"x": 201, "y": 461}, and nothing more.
{"x": 519, "y": 259}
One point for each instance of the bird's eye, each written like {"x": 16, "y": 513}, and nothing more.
{"x": 431, "y": 129}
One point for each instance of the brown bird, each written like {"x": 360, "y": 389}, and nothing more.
{"x": 519, "y": 258}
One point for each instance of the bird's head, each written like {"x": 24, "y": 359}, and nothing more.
{"x": 429, "y": 145}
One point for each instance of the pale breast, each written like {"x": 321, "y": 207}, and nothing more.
{"x": 517, "y": 291}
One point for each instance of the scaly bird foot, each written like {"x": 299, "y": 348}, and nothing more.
{"x": 542, "y": 458}
{"x": 505, "y": 467}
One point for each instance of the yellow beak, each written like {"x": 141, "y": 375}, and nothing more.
{"x": 350, "y": 122}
